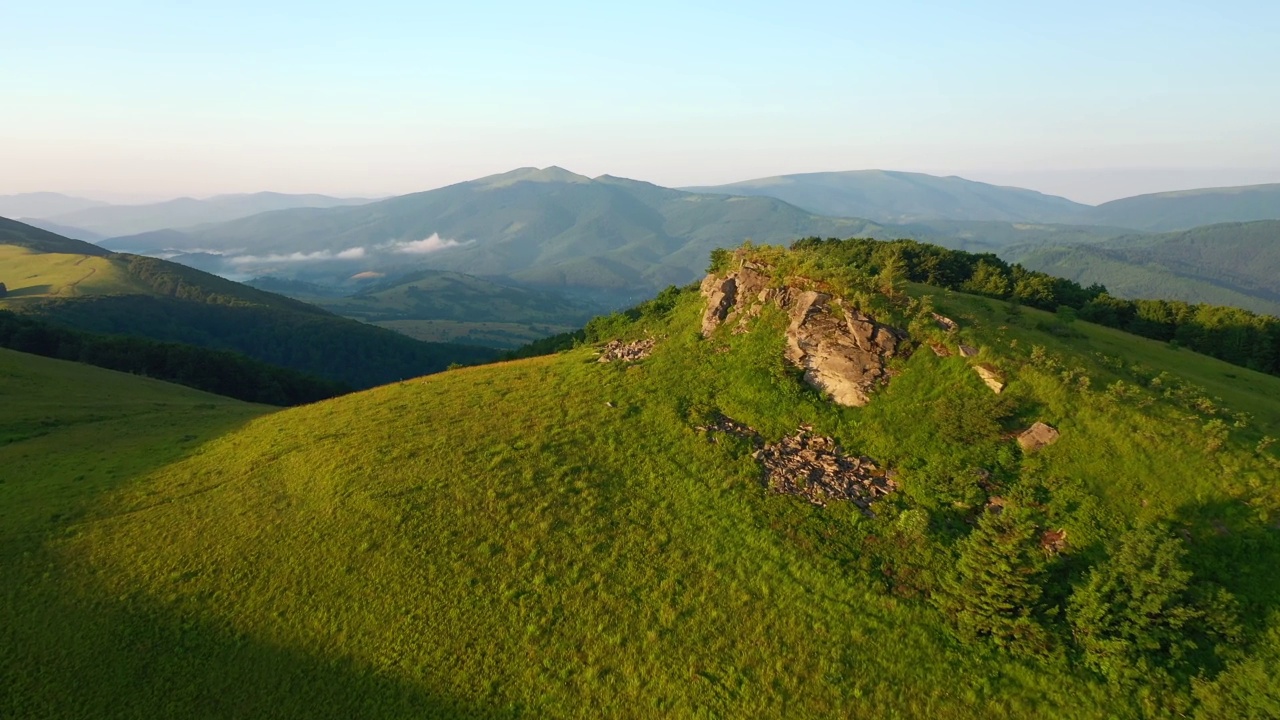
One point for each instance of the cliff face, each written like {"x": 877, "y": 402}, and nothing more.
{"x": 841, "y": 350}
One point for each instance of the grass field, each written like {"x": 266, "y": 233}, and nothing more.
{"x": 28, "y": 274}
{"x": 552, "y": 538}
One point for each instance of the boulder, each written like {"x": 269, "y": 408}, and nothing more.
{"x": 991, "y": 376}
{"x": 968, "y": 350}
{"x": 1037, "y": 436}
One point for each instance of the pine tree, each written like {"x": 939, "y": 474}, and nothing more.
{"x": 996, "y": 585}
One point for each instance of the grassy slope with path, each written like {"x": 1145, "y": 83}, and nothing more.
{"x": 551, "y": 537}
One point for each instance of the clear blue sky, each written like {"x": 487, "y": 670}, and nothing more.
{"x": 1088, "y": 99}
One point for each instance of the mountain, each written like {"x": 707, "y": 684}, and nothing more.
{"x": 43, "y": 204}
{"x": 1235, "y": 264}
{"x": 1191, "y": 208}
{"x": 560, "y": 537}
{"x": 547, "y": 228}
{"x": 89, "y": 288}
{"x": 901, "y": 197}
{"x": 116, "y": 220}
{"x": 65, "y": 230}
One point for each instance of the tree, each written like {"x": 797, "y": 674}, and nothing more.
{"x": 997, "y": 584}
{"x": 1137, "y": 613}
{"x": 3, "y": 290}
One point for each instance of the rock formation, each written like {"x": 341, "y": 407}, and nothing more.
{"x": 1037, "y": 436}
{"x": 841, "y": 350}
{"x": 626, "y": 352}
{"x": 991, "y": 376}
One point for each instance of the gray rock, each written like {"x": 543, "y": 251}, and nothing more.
{"x": 1037, "y": 436}
{"x": 968, "y": 351}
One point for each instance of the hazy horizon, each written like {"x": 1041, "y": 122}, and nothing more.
{"x": 145, "y": 101}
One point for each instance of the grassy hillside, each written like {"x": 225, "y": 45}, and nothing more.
{"x": 87, "y": 287}
{"x": 553, "y": 537}
{"x": 1234, "y": 264}
{"x": 902, "y": 197}
{"x": 1192, "y": 208}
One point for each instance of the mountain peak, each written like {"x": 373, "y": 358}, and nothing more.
{"x": 551, "y": 174}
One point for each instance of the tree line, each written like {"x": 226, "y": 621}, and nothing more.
{"x": 216, "y": 371}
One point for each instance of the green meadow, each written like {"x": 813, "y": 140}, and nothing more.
{"x": 553, "y": 537}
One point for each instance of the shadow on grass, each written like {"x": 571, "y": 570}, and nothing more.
{"x": 78, "y": 657}
{"x": 1230, "y": 546}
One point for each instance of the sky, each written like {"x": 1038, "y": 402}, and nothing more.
{"x": 136, "y": 100}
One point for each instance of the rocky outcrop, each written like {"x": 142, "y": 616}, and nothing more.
{"x": 813, "y": 467}
{"x": 841, "y": 350}
{"x": 616, "y": 350}
{"x": 945, "y": 323}
{"x": 991, "y": 376}
{"x": 1037, "y": 436}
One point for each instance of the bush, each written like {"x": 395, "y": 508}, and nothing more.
{"x": 1137, "y": 613}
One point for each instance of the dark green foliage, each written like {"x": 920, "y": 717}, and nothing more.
{"x": 1227, "y": 333}
{"x": 311, "y": 341}
{"x": 3, "y": 290}
{"x": 220, "y": 372}
{"x": 1247, "y": 689}
{"x": 1138, "y": 613}
{"x": 996, "y": 586}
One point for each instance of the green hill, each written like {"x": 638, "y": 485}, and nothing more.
{"x": 556, "y": 537}
{"x": 902, "y": 197}
{"x": 88, "y": 287}
{"x": 1191, "y": 208}
{"x": 1234, "y": 264}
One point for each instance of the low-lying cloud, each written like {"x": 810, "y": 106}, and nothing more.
{"x": 421, "y": 247}
{"x": 355, "y": 253}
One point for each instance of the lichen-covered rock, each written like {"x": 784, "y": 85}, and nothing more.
{"x": 1037, "y": 436}
{"x": 991, "y": 376}
{"x": 841, "y": 350}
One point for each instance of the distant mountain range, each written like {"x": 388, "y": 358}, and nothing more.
{"x": 903, "y": 197}
{"x": 43, "y": 204}
{"x": 609, "y": 242}
{"x": 900, "y": 197}
{"x": 112, "y": 220}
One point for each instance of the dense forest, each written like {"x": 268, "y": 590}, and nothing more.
{"x": 1237, "y": 336}
{"x": 216, "y": 371}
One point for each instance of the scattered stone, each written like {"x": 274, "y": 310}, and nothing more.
{"x": 626, "y": 352}
{"x": 968, "y": 350}
{"x": 991, "y": 376}
{"x": 940, "y": 350}
{"x": 1037, "y": 436}
{"x": 813, "y": 467}
{"x": 995, "y": 504}
{"x": 946, "y": 323}
{"x": 609, "y": 404}
{"x": 1053, "y": 541}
